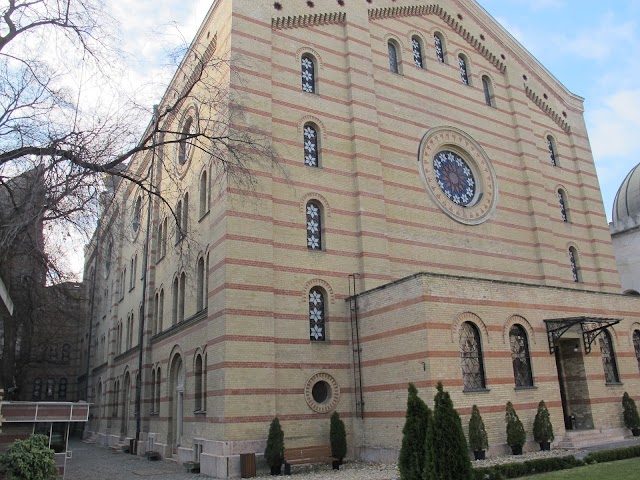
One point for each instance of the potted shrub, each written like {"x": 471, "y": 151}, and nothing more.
{"x": 516, "y": 436}
{"x": 274, "y": 453}
{"x": 631, "y": 418}
{"x": 338, "y": 439}
{"x": 478, "y": 440}
{"x": 542, "y": 427}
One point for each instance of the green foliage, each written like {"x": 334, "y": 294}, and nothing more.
{"x": 521, "y": 469}
{"x": 274, "y": 453}
{"x": 338, "y": 437}
{"x": 411, "y": 461}
{"x": 631, "y": 418}
{"x": 516, "y": 435}
{"x": 542, "y": 427}
{"x": 447, "y": 455}
{"x": 478, "y": 439}
{"x": 613, "y": 455}
{"x": 30, "y": 459}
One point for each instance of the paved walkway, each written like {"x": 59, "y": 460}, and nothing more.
{"x": 94, "y": 462}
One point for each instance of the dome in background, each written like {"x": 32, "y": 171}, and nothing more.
{"x": 627, "y": 203}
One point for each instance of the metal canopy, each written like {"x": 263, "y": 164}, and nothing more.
{"x": 591, "y": 328}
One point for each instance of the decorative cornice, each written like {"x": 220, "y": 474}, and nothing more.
{"x": 544, "y": 106}
{"x": 420, "y": 10}
{"x": 316, "y": 19}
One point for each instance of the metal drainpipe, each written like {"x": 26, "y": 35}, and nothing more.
{"x": 145, "y": 259}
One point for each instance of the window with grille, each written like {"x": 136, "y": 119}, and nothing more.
{"x": 416, "y": 45}
{"x": 551, "y": 146}
{"x": 308, "y": 73}
{"x": 608, "y": 358}
{"x": 464, "y": 73}
{"x": 573, "y": 260}
{"x": 314, "y": 226}
{"x": 393, "y": 57}
{"x": 439, "y": 44}
{"x": 636, "y": 345}
{"x": 520, "y": 357}
{"x": 563, "y": 206}
{"x": 317, "y": 314}
{"x": 488, "y": 91}
{"x": 310, "y": 141}
{"x": 471, "y": 357}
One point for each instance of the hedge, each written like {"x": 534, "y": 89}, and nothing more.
{"x": 613, "y": 455}
{"x": 530, "y": 467}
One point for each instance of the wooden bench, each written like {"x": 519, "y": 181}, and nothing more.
{"x": 152, "y": 455}
{"x": 308, "y": 456}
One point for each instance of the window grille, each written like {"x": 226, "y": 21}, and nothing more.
{"x": 471, "y": 356}
{"x": 317, "y": 315}
{"x": 520, "y": 357}
{"x": 608, "y": 358}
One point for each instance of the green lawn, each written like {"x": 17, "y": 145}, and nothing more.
{"x": 620, "y": 470}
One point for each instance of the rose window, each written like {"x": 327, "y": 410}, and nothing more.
{"x": 454, "y": 177}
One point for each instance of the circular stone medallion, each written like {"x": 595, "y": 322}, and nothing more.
{"x": 458, "y": 175}
{"x": 322, "y": 393}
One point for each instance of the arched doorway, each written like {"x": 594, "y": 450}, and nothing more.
{"x": 126, "y": 403}
{"x": 176, "y": 403}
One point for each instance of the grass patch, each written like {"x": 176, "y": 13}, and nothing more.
{"x": 620, "y": 470}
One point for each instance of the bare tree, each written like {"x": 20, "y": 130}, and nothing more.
{"x": 46, "y": 127}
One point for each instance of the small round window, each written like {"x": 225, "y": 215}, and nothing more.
{"x": 322, "y": 393}
{"x": 455, "y": 177}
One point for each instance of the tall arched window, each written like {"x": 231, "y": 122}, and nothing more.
{"x": 471, "y": 357}
{"x": 157, "y": 387}
{"x": 37, "y": 390}
{"x": 66, "y": 353}
{"x": 314, "y": 226}
{"x": 575, "y": 266}
{"x": 160, "y": 310}
{"x": 204, "y": 194}
{"x": 464, "y": 70}
{"x": 488, "y": 91}
{"x": 418, "y": 58}
{"x": 185, "y": 214}
{"x": 198, "y": 383}
{"x": 608, "y": 358}
{"x": 439, "y": 44}
{"x": 137, "y": 214}
{"x": 317, "y": 318}
{"x": 200, "y": 293}
{"x": 308, "y": 73}
{"x": 562, "y": 201}
{"x": 175, "y": 293}
{"x": 178, "y": 221}
{"x": 186, "y": 139}
{"x": 394, "y": 61}
{"x": 553, "y": 154}
{"x": 153, "y": 390}
{"x": 311, "y": 150}
{"x": 183, "y": 286}
{"x": 636, "y": 345}
{"x": 49, "y": 392}
{"x": 156, "y": 311}
{"x": 520, "y": 357}
{"x": 159, "y": 242}
{"x": 62, "y": 389}
{"x": 116, "y": 397}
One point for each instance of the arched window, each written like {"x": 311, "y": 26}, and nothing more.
{"x": 317, "y": 318}
{"x": 48, "y": 394}
{"x": 200, "y": 293}
{"x": 608, "y": 358}
{"x": 416, "y": 44}
{"x": 156, "y": 311}
{"x": 175, "y": 293}
{"x": 520, "y": 357}
{"x": 562, "y": 201}
{"x": 204, "y": 194}
{"x": 157, "y": 387}
{"x": 116, "y": 397}
{"x": 464, "y": 72}
{"x": 107, "y": 260}
{"x": 186, "y": 139}
{"x": 185, "y": 214}
{"x": 394, "y": 61}
{"x": 178, "y": 221}
{"x": 137, "y": 214}
{"x": 471, "y": 357}
{"x": 553, "y": 151}
{"x": 160, "y": 310}
{"x": 314, "y": 226}
{"x": 198, "y": 383}
{"x": 159, "y": 242}
{"x": 308, "y": 73}
{"x": 488, "y": 91}
{"x": 439, "y": 44}
{"x": 575, "y": 266}
{"x": 66, "y": 353}
{"x": 62, "y": 389}
{"x": 636, "y": 345}
{"x": 153, "y": 390}
{"x": 183, "y": 286}
{"x": 163, "y": 243}
{"x": 36, "y": 395}
{"x": 311, "y": 150}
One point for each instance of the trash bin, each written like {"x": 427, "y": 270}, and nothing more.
{"x": 132, "y": 446}
{"x": 572, "y": 418}
{"x": 247, "y": 465}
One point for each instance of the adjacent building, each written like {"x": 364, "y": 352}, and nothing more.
{"x": 435, "y": 215}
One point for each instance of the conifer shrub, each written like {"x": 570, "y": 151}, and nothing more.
{"x": 516, "y": 436}
{"x": 412, "y": 452}
{"x": 478, "y": 439}
{"x": 447, "y": 454}
{"x": 30, "y": 459}
{"x": 630, "y": 414}
{"x": 542, "y": 427}
{"x": 274, "y": 452}
{"x": 338, "y": 437}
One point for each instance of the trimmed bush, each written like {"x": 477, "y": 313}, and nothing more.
{"x": 542, "y": 427}
{"x": 338, "y": 437}
{"x": 522, "y": 469}
{"x": 516, "y": 436}
{"x": 274, "y": 453}
{"x": 31, "y": 458}
{"x": 450, "y": 454}
{"x": 630, "y": 414}
{"x": 478, "y": 439}
{"x": 412, "y": 452}
{"x": 613, "y": 455}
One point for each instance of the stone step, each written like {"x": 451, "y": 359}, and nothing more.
{"x": 584, "y": 438}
